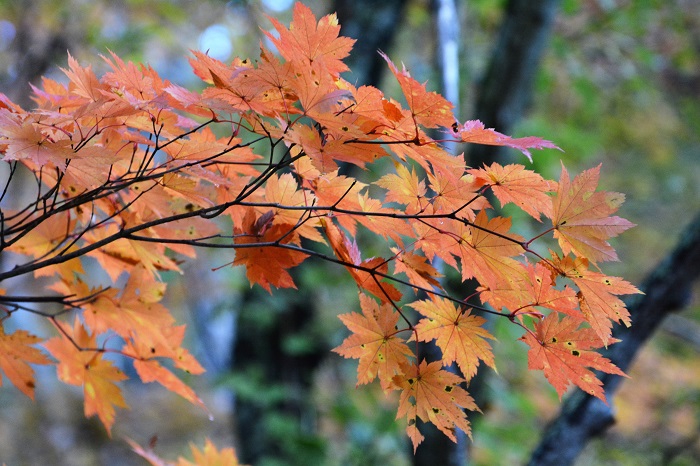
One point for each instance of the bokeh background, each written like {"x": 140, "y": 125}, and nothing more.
{"x": 617, "y": 83}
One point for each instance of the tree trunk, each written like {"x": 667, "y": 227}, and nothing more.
{"x": 505, "y": 90}
{"x": 375, "y": 25}
{"x": 668, "y": 289}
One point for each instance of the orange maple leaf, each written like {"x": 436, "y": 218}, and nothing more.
{"x": 84, "y": 81}
{"x": 419, "y": 271}
{"x": 374, "y": 342}
{"x": 564, "y": 352}
{"x": 27, "y": 141}
{"x": 343, "y": 192}
{"x": 432, "y": 394}
{"x": 405, "y": 188}
{"x": 135, "y": 313}
{"x": 210, "y": 456}
{"x": 581, "y": 216}
{"x": 365, "y": 274}
{"x": 46, "y": 240}
{"x": 474, "y": 131}
{"x": 207, "y": 456}
{"x": 86, "y": 366}
{"x": 171, "y": 348}
{"x": 429, "y": 109}
{"x": 597, "y": 295}
{"x": 486, "y": 250}
{"x": 536, "y": 289}
{"x": 284, "y": 191}
{"x": 123, "y": 254}
{"x": 152, "y": 371}
{"x": 459, "y": 334}
{"x": 381, "y": 220}
{"x": 324, "y": 151}
{"x": 513, "y": 183}
{"x": 458, "y": 194}
{"x": 16, "y": 353}
{"x": 311, "y": 43}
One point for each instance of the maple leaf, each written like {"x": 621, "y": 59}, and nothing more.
{"x": 459, "y": 335}
{"x": 207, "y": 456}
{"x": 83, "y": 80}
{"x": 486, "y": 250}
{"x": 135, "y": 313}
{"x": 284, "y": 192}
{"x": 47, "y": 239}
{"x": 324, "y": 151}
{"x": 537, "y": 288}
{"x": 312, "y": 43}
{"x": 88, "y": 368}
{"x": 123, "y": 254}
{"x": 432, "y": 394}
{"x": 473, "y": 131}
{"x": 27, "y": 142}
{"x": 437, "y": 237}
{"x": 348, "y": 252}
{"x": 16, "y": 353}
{"x": 564, "y": 352}
{"x": 151, "y": 370}
{"x": 458, "y": 194}
{"x": 266, "y": 266}
{"x": 429, "y": 109}
{"x": 388, "y": 223}
{"x": 318, "y": 95}
{"x": 343, "y": 192}
{"x": 374, "y": 342}
{"x": 597, "y": 295}
{"x": 405, "y": 188}
{"x": 581, "y": 216}
{"x": 210, "y": 456}
{"x": 139, "y": 84}
{"x": 171, "y": 348}
{"x": 371, "y": 110}
{"x": 416, "y": 267}
{"x": 513, "y": 183}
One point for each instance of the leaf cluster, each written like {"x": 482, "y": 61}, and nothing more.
{"x": 137, "y": 173}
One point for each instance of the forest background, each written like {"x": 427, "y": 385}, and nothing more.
{"x": 618, "y": 83}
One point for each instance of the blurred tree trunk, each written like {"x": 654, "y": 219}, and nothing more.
{"x": 277, "y": 350}
{"x": 374, "y": 24}
{"x": 35, "y": 49}
{"x": 668, "y": 289}
{"x": 505, "y": 91}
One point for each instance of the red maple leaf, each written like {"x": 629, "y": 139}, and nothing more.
{"x": 266, "y": 265}
{"x": 564, "y": 352}
{"x": 597, "y": 295}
